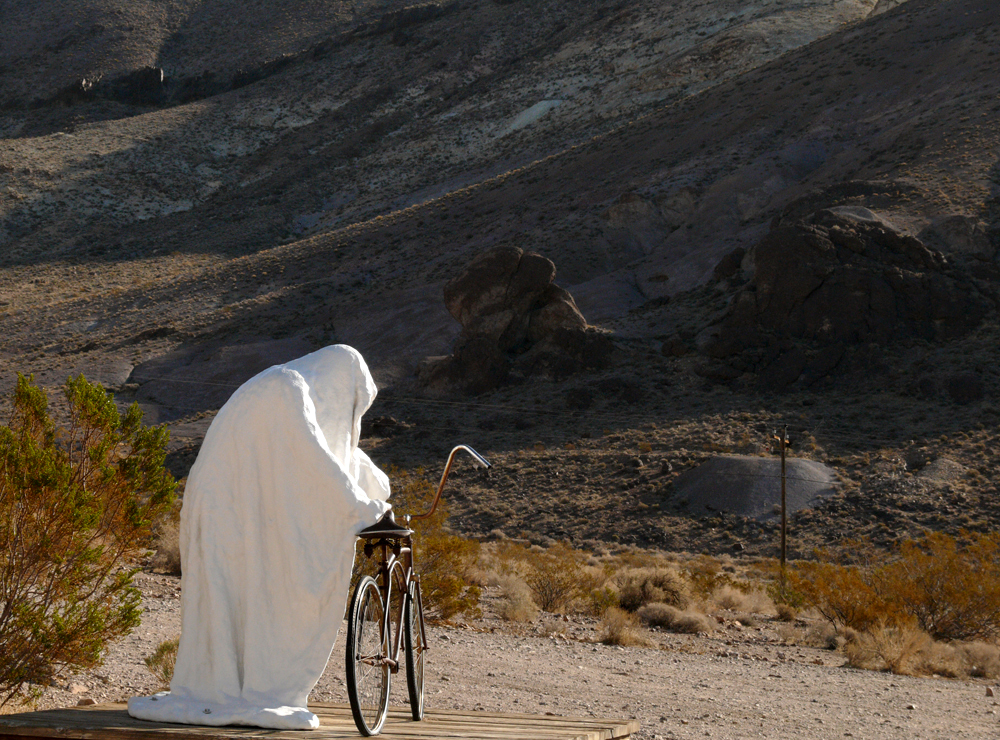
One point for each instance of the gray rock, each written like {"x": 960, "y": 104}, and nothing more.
{"x": 751, "y": 486}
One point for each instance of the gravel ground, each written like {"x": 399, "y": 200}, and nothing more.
{"x": 739, "y": 682}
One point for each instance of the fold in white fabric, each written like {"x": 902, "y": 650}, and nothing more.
{"x": 271, "y": 510}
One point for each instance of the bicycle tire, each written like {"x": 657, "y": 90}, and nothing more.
{"x": 414, "y": 644}
{"x": 368, "y": 674}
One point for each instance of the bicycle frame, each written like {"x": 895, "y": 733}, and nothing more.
{"x": 396, "y": 573}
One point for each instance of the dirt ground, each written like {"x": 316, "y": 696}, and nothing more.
{"x": 739, "y": 682}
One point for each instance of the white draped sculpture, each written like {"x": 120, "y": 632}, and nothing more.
{"x": 270, "y": 513}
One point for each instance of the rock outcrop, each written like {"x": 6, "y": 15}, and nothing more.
{"x": 515, "y": 322}
{"x": 838, "y": 278}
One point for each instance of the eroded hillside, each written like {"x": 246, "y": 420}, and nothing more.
{"x": 173, "y": 249}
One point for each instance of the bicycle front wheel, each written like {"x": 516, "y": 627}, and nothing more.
{"x": 367, "y": 654}
{"x": 414, "y": 643}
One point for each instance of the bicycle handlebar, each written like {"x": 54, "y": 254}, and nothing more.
{"x": 480, "y": 462}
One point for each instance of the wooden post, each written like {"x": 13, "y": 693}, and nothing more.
{"x": 784, "y": 508}
{"x": 783, "y": 444}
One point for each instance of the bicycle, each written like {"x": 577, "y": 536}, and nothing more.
{"x": 378, "y": 612}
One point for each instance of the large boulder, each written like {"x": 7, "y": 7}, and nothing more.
{"x": 835, "y": 278}
{"x": 515, "y": 320}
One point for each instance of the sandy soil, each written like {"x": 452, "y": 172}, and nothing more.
{"x": 740, "y": 682}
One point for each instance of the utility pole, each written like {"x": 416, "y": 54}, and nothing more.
{"x": 783, "y": 444}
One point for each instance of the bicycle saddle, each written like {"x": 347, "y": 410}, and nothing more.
{"x": 386, "y": 527}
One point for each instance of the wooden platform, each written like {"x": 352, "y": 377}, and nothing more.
{"x": 112, "y": 722}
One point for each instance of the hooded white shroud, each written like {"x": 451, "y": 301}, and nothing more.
{"x": 270, "y": 514}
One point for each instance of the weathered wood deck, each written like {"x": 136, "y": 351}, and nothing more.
{"x": 112, "y": 722}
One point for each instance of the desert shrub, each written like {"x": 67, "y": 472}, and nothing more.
{"x": 893, "y": 647}
{"x": 675, "y": 620}
{"x": 781, "y": 591}
{"x": 77, "y": 504}
{"x": 602, "y": 598}
{"x": 619, "y": 627}
{"x": 161, "y": 662}
{"x": 633, "y": 558}
{"x": 949, "y": 586}
{"x": 444, "y": 560}
{"x": 705, "y": 575}
{"x": 843, "y": 594}
{"x": 557, "y": 577}
{"x": 787, "y": 613}
{"x": 727, "y": 597}
{"x": 639, "y": 586}
{"x": 942, "y": 659}
{"x": 510, "y": 558}
{"x": 515, "y": 603}
{"x": 980, "y": 659}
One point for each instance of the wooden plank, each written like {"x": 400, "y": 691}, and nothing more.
{"x": 607, "y": 728}
{"x": 112, "y": 722}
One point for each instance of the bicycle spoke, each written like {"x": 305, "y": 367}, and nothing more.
{"x": 367, "y": 670}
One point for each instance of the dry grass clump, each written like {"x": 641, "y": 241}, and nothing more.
{"x": 167, "y": 544}
{"x": 619, "y": 627}
{"x": 910, "y": 651}
{"x": 675, "y": 620}
{"x": 750, "y": 601}
{"x": 727, "y": 597}
{"x": 640, "y": 586}
{"x": 161, "y": 662}
{"x": 980, "y": 659}
{"x": 515, "y": 603}
{"x": 895, "y": 648}
{"x": 942, "y": 659}
{"x": 787, "y": 612}
{"x": 819, "y": 635}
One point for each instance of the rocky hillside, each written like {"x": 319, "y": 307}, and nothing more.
{"x": 747, "y": 198}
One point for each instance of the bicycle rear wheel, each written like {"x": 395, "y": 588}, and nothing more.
{"x": 414, "y": 642}
{"x": 367, "y": 651}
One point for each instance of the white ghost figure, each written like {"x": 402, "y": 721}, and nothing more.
{"x": 268, "y": 525}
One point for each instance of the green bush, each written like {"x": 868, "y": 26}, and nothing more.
{"x": 76, "y": 506}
